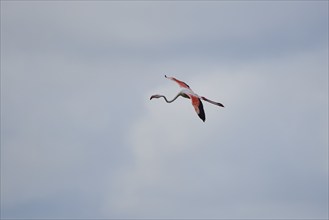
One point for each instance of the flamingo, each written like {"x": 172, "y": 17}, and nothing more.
{"x": 187, "y": 92}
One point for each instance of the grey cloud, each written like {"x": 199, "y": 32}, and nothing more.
{"x": 81, "y": 139}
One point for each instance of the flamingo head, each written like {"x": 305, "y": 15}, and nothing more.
{"x": 155, "y": 96}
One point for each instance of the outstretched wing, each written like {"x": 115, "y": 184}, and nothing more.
{"x": 197, "y": 104}
{"x": 180, "y": 83}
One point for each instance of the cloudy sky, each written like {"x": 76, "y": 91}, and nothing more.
{"x": 81, "y": 139}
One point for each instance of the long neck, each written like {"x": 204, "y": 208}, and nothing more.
{"x": 171, "y": 100}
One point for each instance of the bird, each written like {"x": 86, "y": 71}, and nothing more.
{"x": 187, "y": 92}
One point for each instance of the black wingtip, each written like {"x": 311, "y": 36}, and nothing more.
{"x": 166, "y": 76}
{"x": 201, "y": 114}
{"x": 202, "y": 118}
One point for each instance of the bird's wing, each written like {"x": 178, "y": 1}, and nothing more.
{"x": 180, "y": 83}
{"x": 197, "y": 104}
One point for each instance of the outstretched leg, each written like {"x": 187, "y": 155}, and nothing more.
{"x": 212, "y": 102}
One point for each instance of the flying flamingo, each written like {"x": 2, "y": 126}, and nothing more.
{"x": 187, "y": 92}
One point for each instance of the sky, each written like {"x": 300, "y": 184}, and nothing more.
{"x": 81, "y": 139}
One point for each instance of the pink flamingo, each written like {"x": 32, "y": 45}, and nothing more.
{"x": 187, "y": 92}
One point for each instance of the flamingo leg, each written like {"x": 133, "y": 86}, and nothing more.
{"x": 212, "y": 102}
